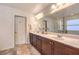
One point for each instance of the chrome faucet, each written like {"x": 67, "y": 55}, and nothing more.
{"x": 59, "y": 35}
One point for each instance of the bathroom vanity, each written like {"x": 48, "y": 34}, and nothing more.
{"x": 48, "y": 44}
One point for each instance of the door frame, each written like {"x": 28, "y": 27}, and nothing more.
{"x": 15, "y": 28}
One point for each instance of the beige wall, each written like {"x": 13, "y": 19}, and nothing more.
{"x": 35, "y": 24}
{"x": 7, "y": 26}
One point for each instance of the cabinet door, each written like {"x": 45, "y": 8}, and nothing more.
{"x": 62, "y": 49}
{"x": 39, "y": 44}
{"x": 52, "y": 47}
{"x": 34, "y": 41}
{"x": 31, "y": 38}
{"x": 46, "y": 46}
{"x": 58, "y": 48}
{"x": 70, "y": 51}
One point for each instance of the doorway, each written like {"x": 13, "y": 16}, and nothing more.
{"x": 19, "y": 30}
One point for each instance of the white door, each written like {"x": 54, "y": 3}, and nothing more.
{"x": 19, "y": 30}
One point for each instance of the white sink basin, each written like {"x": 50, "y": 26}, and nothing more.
{"x": 49, "y": 35}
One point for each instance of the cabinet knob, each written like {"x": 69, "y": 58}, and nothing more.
{"x": 50, "y": 42}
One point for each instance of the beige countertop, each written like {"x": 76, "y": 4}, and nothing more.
{"x": 74, "y": 42}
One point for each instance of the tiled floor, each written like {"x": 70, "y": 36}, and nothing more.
{"x": 22, "y": 49}
{"x": 33, "y": 51}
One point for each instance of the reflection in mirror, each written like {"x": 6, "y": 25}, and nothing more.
{"x": 72, "y": 26}
{"x": 49, "y": 24}
{"x": 62, "y": 20}
{"x": 61, "y": 25}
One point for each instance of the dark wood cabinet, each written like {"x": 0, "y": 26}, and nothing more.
{"x": 46, "y": 46}
{"x": 50, "y": 47}
{"x": 31, "y": 38}
{"x": 62, "y": 49}
{"x": 34, "y": 40}
{"x": 39, "y": 44}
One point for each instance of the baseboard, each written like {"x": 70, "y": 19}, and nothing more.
{"x": 10, "y": 51}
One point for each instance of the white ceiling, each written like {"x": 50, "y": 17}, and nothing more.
{"x": 28, "y": 7}
{"x": 37, "y": 7}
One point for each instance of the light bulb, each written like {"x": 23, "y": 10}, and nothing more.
{"x": 53, "y": 7}
{"x": 59, "y": 4}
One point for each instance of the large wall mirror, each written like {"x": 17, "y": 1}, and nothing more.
{"x": 72, "y": 24}
{"x": 67, "y": 25}
{"x": 63, "y": 21}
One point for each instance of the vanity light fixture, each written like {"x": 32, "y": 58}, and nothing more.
{"x": 60, "y": 6}
{"x": 39, "y": 16}
{"x": 53, "y": 6}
